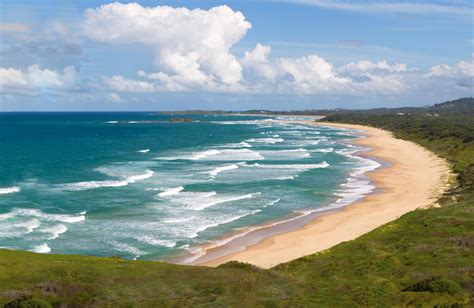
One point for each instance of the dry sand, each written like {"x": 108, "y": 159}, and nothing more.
{"x": 415, "y": 178}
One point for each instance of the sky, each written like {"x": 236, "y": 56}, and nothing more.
{"x": 94, "y": 55}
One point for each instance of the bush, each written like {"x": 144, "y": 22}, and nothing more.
{"x": 28, "y": 302}
{"x": 435, "y": 285}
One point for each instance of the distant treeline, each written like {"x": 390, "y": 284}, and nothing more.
{"x": 462, "y": 105}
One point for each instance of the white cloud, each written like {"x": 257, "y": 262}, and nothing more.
{"x": 463, "y": 68}
{"x": 389, "y": 7}
{"x": 381, "y": 77}
{"x": 314, "y": 75}
{"x": 192, "y": 53}
{"x": 460, "y": 75}
{"x": 121, "y": 84}
{"x": 35, "y": 79}
{"x": 257, "y": 60}
{"x": 310, "y": 74}
{"x": 366, "y": 66}
{"x": 113, "y": 97}
{"x": 192, "y": 47}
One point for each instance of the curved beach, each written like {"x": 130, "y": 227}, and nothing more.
{"x": 415, "y": 178}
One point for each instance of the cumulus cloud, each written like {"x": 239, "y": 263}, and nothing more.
{"x": 257, "y": 60}
{"x": 462, "y": 68}
{"x": 192, "y": 47}
{"x": 192, "y": 52}
{"x": 314, "y": 75}
{"x": 310, "y": 74}
{"x": 369, "y": 77}
{"x": 367, "y": 66}
{"x": 461, "y": 74}
{"x": 35, "y": 79}
{"x": 121, "y": 84}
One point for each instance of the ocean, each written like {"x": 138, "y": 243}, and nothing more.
{"x": 137, "y": 186}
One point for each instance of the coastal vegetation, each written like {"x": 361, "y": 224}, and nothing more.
{"x": 424, "y": 258}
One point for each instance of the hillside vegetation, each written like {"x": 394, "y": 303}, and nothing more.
{"x": 425, "y": 258}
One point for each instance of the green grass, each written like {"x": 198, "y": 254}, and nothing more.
{"x": 424, "y": 258}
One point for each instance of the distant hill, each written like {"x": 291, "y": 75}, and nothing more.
{"x": 462, "y": 105}
{"x": 459, "y": 106}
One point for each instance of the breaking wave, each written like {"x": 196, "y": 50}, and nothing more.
{"x": 9, "y": 190}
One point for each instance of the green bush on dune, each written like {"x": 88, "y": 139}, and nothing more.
{"x": 424, "y": 258}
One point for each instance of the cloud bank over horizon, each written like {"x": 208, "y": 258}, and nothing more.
{"x": 193, "y": 51}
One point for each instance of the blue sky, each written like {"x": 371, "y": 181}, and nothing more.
{"x": 307, "y": 54}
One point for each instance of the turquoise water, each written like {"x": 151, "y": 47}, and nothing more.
{"x": 137, "y": 186}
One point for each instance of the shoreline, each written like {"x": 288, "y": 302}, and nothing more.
{"x": 402, "y": 186}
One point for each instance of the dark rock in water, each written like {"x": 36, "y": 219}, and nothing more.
{"x": 180, "y": 120}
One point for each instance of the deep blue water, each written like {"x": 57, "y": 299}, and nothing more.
{"x": 137, "y": 186}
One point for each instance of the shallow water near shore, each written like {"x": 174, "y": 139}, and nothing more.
{"x": 137, "y": 186}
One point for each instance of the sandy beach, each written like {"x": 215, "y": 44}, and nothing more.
{"x": 414, "y": 178}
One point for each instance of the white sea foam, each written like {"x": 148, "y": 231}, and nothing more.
{"x": 171, "y": 191}
{"x": 271, "y": 203}
{"x": 327, "y": 150}
{"x": 205, "y": 154}
{"x": 92, "y": 185}
{"x": 39, "y": 214}
{"x": 178, "y": 220}
{"x": 227, "y": 155}
{"x": 371, "y": 165}
{"x": 78, "y": 186}
{"x": 266, "y": 140}
{"x": 198, "y": 201}
{"x": 128, "y": 248}
{"x": 111, "y": 122}
{"x": 155, "y": 242}
{"x": 305, "y": 142}
{"x": 6, "y": 216}
{"x": 43, "y": 248}
{"x": 221, "y": 221}
{"x": 246, "y": 122}
{"x": 30, "y": 225}
{"x": 144, "y": 151}
{"x": 368, "y": 164}
{"x": 218, "y": 170}
{"x": 323, "y": 164}
{"x": 251, "y": 172}
{"x": 54, "y": 231}
{"x": 219, "y": 200}
{"x": 285, "y": 154}
{"x": 242, "y": 144}
{"x": 348, "y": 133}
{"x": 9, "y": 190}
{"x": 139, "y": 177}
{"x": 289, "y": 177}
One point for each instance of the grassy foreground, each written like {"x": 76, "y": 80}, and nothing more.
{"x": 425, "y": 258}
